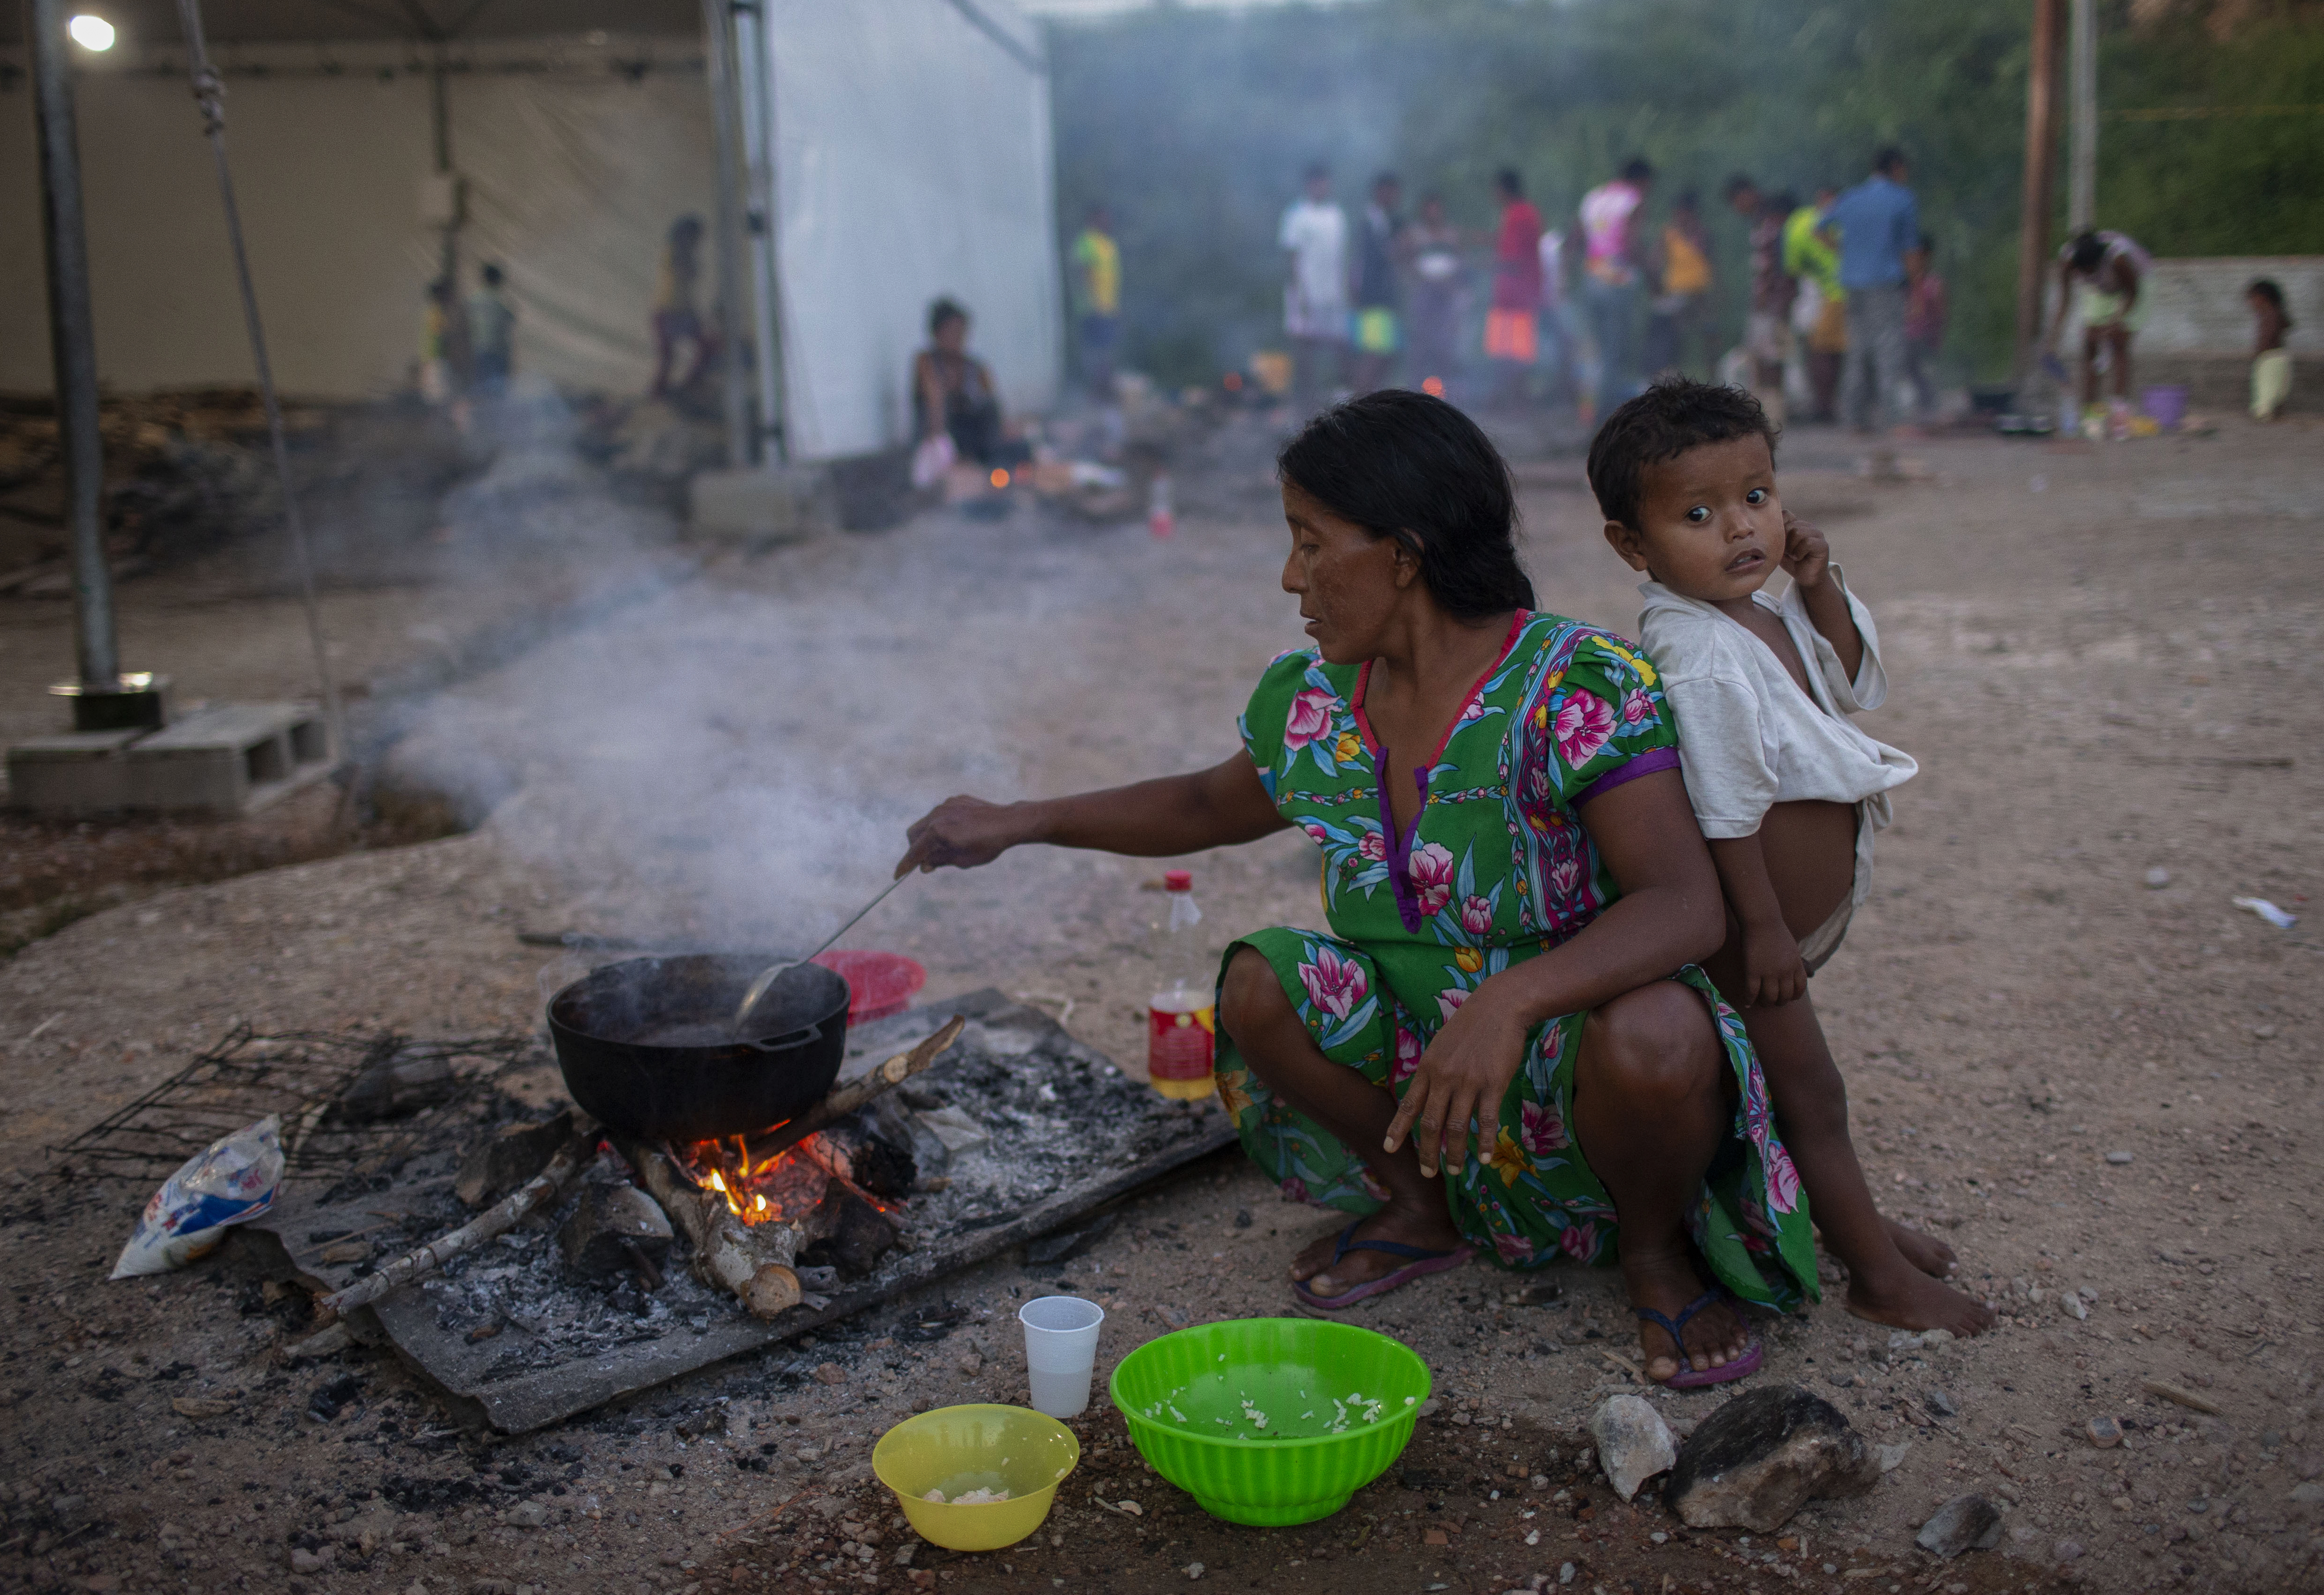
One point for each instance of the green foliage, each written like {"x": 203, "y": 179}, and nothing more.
{"x": 1196, "y": 124}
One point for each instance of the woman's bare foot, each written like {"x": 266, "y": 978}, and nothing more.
{"x": 1431, "y": 1230}
{"x": 1925, "y": 1252}
{"x": 1903, "y": 1297}
{"x": 1715, "y": 1336}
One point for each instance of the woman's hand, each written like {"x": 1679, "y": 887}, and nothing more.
{"x": 1463, "y": 1075}
{"x": 964, "y": 831}
{"x": 1806, "y": 553}
{"x": 1774, "y": 973}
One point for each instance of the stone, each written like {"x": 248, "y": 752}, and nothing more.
{"x": 1634, "y": 1444}
{"x": 1965, "y": 1523}
{"x": 608, "y": 1224}
{"x": 508, "y": 1157}
{"x": 2067, "y": 1551}
{"x": 2311, "y": 1494}
{"x": 2157, "y": 878}
{"x": 2118, "y": 1158}
{"x": 526, "y": 1515}
{"x": 1891, "y": 1456}
{"x": 2105, "y": 1433}
{"x": 310, "y": 1560}
{"x": 972, "y": 1363}
{"x": 1193, "y": 1569}
{"x": 1763, "y": 1455}
{"x": 1942, "y": 1404}
{"x": 830, "y": 1373}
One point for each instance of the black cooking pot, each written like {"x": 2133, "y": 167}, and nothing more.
{"x": 646, "y": 1045}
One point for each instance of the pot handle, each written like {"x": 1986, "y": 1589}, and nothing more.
{"x": 790, "y": 1038}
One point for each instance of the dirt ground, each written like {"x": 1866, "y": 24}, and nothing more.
{"x": 2069, "y": 1051}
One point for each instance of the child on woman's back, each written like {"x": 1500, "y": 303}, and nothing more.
{"x": 1788, "y": 792}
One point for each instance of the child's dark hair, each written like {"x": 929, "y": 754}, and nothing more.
{"x": 1405, "y": 465}
{"x": 2268, "y": 289}
{"x": 1674, "y": 415}
{"x": 945, "y": 310}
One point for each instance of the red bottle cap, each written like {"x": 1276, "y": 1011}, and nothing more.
{"x": 1178, "y": 880}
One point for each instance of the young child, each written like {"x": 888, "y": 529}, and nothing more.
{"x": 1924, "y": 322}
{"x": 1788, "y": 792}
{"x": 2271, "y": 382}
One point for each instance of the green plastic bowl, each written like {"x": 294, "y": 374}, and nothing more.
{"x": 1195, "y": 1399}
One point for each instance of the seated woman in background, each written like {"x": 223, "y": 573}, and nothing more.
{"x": 953, "y": 393}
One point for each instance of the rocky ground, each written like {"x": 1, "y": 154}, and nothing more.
{"x": 2070, "y": 1053}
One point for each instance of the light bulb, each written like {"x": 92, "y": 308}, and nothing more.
{"x": 90, "y": 31}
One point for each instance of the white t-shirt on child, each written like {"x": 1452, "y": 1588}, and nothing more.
{"x": 1750, "y": 738}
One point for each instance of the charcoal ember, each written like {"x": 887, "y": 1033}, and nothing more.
{"x": 396, "y": 1086}
{"x": 608, "y": 1224}
{"x": 857, "y": 1149}
{"x": 848, "y": 1232}
{"x": 895, "y": 1121}
{"x": 509, "y": 1157}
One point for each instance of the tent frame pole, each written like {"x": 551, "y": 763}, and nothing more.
{"x": 72, "y": 342}
{"x": 719, "y": 61}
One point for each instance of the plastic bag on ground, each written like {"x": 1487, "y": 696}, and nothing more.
{"x": 232, "y": 1180}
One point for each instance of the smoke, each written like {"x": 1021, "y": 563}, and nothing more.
{"x": 728, "y": 754}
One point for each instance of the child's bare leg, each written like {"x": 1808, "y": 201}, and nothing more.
{"x": 1809, "y": 852}
{"x": 1811, "y": 1102}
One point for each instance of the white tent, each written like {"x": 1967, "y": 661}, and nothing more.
{"x": 912, "y": 159}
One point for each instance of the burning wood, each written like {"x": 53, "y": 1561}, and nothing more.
{"x": 751, "y": 1260}
{"x": 542, "y": 1188}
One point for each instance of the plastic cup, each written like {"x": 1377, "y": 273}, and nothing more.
{"x": 1060, "y": 1352}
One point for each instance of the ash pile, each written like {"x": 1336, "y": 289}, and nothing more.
{"x": 636, "y": 1264}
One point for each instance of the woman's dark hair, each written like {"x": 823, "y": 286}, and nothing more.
{"x": 2268, "y": 290}
{"x": 1637, "y": 169}
{"x": 2089, "y": 251}
{"x": 1405, "y": 465}
{"x": 942, "y": 311}
{"x": 1664, "y": 422}
{"x": 1508, "y": 181}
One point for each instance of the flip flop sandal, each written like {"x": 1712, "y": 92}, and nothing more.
{"x": 1694, "y": 1378}
{"x": 1423, "y": 1262}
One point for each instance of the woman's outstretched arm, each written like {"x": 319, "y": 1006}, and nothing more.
{"x": 1161, "y": 818}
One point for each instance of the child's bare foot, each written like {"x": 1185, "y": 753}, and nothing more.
{"x": 1426, "y": 1227}
{"x": 1715, "y": 1336}
{"x": 1929, "y": 1255}
{"x": 1906, "y": 1299}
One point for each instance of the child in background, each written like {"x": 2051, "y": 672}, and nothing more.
{"x": 1924, "y": 322}
{"x": 2271, "y": 382}
{"x": 1788, "y": 791}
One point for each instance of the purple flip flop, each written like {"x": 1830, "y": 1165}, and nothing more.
{"x": 1423, "y": 1262}
{"x": 1694, "y": 1378}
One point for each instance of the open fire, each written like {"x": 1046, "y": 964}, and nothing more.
{"x": 758, "y": 1190}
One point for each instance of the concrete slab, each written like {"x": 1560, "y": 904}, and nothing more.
{"x": 780, "y": 505}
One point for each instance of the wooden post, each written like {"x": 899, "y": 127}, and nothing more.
{"x": 2039, "y": 188}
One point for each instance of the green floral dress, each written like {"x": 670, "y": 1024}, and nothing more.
{"x": 1494, "y": 870}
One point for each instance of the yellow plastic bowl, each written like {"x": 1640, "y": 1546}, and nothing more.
{"x": 959, "y": 1449}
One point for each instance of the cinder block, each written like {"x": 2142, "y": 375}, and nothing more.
{"x": 229, "y": 758}
{"x": 79, "y": 773}
{"x": 776, "y": 504}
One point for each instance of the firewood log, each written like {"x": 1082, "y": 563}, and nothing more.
{"x": 754, "y": 1261}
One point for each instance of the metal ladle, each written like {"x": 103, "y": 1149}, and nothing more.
{"x": 775, "y": 971}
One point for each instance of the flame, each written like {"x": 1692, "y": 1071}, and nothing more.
{"x": 755, "y": 1189}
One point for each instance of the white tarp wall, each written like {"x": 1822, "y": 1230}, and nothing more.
{"x": 574, "y": 177}
{"x": 912, "y": 160}
{"x": 2199, "y": 305}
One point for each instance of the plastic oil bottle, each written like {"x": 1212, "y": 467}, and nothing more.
{"x": 1180, "y": 1024}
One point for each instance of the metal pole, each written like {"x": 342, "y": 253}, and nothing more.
{"x": 755, "y": 77}
{"x": 72, "y": 343}
{"x": 719, "y": 61}
{"x": 209, "y": 93}
{"x": 2039, "y": 189}
{"x": 2082, "y": 187}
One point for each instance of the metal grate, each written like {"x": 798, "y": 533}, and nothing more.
{"x": 306, "y": 1076}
